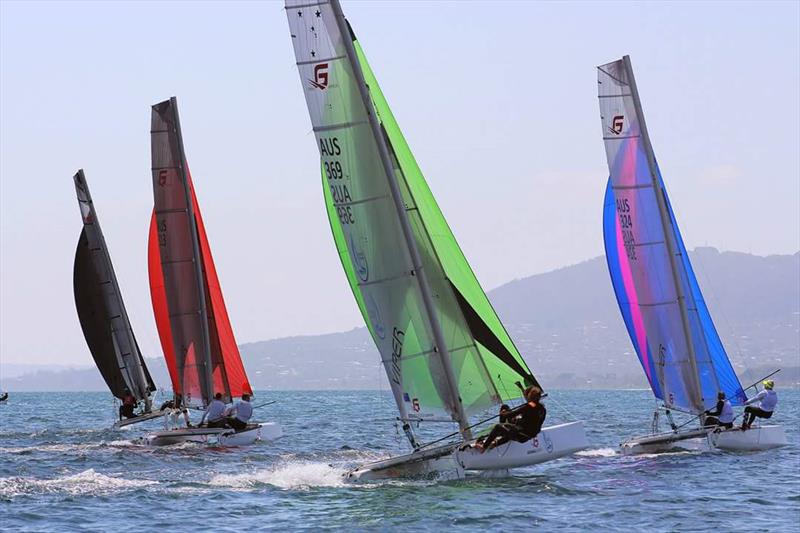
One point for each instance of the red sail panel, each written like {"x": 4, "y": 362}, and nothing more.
{"x": 158, "y": 297}
{"x": 225, "y": 346}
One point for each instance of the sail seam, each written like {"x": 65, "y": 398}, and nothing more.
{"x": 406, "y": 274}
{"x": 363, "y": 200}
{"x": 649, "y": 243}
{"x": 301, "y": 6}
{"x": 612, "y": 77}
{"x": 187, "y": 313}
{"x": 341, "y": 125}
{"x": 628, "y": 187}
{"x": 620, "y": 137}
{"x": 657, "y": 304}
{"x": 319, "y": 60}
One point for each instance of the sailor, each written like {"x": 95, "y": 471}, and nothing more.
{"x": 175, "y": 408}
{"x": 215, "y": 413}
{"x": 767, "y": 400}
{"x": 505, "y": 414}
{"x": 504, "y": 417}
{"x": 525, "y": 422}
{"x": 722, "y": 414}
{"x": 128, "y": 405}
{"x": 241, "y": 412}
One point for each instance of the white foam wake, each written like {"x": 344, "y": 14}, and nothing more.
{"x": 86, "y": 482}
{"x": 294, "y": 475}
{"x": 598, "y": 452}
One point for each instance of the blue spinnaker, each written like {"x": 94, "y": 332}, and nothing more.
{"x": 659, "y": 297}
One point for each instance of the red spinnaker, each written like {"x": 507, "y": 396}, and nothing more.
{"x": 225, "y": 357}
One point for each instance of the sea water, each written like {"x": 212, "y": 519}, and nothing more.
{"x": 62, "y": 468}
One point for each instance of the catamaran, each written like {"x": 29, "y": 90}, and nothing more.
{"x": 441, "y": 343}
{"x": 192, "y": 320}
{"x": 657, "y": 291}
{"x": 102, "y": 313}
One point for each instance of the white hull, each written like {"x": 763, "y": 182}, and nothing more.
{"x": 660, "y": 443}
{"x": 552, "y": 443}
{"x": 216, "y": 436}
{"x": 756, "y": 438}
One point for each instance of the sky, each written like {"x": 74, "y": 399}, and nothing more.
{"x": 497, "y": 100}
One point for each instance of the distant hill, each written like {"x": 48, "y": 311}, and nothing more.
{"x": 568, "y": 326}
{"x": 566, "y": 323}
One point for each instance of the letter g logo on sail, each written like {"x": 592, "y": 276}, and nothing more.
{"x": 616, "y": 124}
{"x": 320, "y": 80}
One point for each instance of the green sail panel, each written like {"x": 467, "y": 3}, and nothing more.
{"x": 498, "y": 353}
{"x": 412, "y": 369}
{"x": 374, "y": 253}
{"x": 365, "y": 223}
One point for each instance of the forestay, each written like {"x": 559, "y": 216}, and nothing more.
{"x": 658, "y": 294}
{"x": 101, "y": 310}
{"x": 377, "y": 257}
{"x": 192, "y": 320}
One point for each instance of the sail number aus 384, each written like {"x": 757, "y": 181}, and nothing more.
{"x": 626, "y": 225}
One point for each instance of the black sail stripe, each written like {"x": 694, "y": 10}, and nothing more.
{"x": 483, "y": 334}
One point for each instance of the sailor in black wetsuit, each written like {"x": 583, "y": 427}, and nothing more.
{"x": 504, "y": 417}
{"x": 525, "y": 422}
{"x": 126, "y": 410}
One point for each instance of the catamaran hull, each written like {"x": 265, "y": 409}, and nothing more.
{"x": 661, "y": 443}
{"x": 420, "y": 464}
{"x": 754, "y": 439}
{"x": 216, "y": 436}
{"x": 552, "y": 443}
{"x": 136, "y": 420}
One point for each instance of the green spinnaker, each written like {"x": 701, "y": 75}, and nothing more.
{"x": 485, "y": 360}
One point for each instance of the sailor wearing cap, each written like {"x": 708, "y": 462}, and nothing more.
{"x": 767, "y": 400}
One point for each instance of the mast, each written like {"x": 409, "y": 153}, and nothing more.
{"x": 668, "y": 234}
{"x": 416, "y": 260}
{"x": 198, "y": 265}
{"x": 136, "y": 377}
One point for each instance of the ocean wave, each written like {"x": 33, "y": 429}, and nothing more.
{"x": 66, "y": 448}
{"x": 292, "y": 475}
{"x": 87, "y": 482}
{"x": 598, "y": 452}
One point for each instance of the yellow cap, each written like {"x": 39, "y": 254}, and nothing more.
{"x": 768, "y": 384}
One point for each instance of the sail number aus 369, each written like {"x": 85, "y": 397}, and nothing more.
{"x": 334, "y": 170}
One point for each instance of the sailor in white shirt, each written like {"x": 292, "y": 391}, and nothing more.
{"x": 722, "y": 414}
{"x": 767, "y": 400}
{"x": 215, "y": 413}
{"x": 241, "y": 413}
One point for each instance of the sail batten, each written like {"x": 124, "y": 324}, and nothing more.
{"x": 655, "y": 286}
